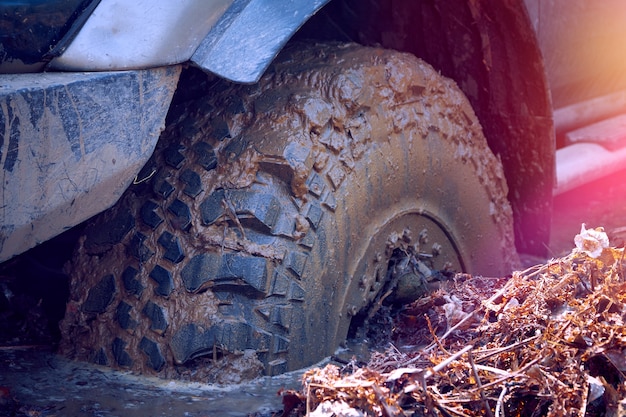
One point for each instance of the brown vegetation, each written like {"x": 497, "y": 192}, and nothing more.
{"x": 549, "y": 341}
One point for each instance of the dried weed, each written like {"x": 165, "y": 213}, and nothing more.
{"x": 549, "y": 341}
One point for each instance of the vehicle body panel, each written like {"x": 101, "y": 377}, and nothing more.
{"x": 583, "y": 44}
{"x": 242, "y": 46}
{"x": 140, "y": 34}
{"x": 72, "y": 144}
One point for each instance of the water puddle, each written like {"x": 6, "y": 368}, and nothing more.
{"x": 44, "y": 384}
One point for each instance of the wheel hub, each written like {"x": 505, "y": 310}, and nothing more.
{"x": 403, "y": 256}
{"x": 409, "y": 276}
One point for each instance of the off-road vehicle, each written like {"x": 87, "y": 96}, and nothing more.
{"x": 258, "y": 173}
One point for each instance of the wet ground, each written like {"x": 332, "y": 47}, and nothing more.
{"x": 36, "y": 382}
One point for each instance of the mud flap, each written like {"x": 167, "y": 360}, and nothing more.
{"x": 71, "y": 144}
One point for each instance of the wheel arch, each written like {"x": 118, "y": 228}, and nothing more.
{"x": 489, "y": 48}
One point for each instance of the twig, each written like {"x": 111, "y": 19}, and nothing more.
{"x": 620, "y": 273}
{"x": 137, "y": 181}
{"x": 493, "y": 370}
{"x": 308, "y": 400}
{"x": 23, "y": 347}
{"x": 480, "y": 386}
{"x": 434, "y": 335}
{"x": 429, "y": 372}
{"x": 378, "y": 304}
{"x": 491, "y": 299}
{"x": 497, "y": 351}
{"x": 389, "y": 410}
{"x": 414, "y": 359}
{"x": 446, "y": 362}
{"x": 500, "y": 402}
{"x": 448, "y": 411}
{"x": 583, "y": 400}
{"x": 538, "y": 267}
{"x": 553, "y": 379}
{"x": 512, "y": 375}
{"x": 355, "y": 384}
{"x": 231, "y": 212}
{"x": 428, "y": 399}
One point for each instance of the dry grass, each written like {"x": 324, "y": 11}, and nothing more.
{"x": 549, "y": 341}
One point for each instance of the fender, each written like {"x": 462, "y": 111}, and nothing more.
{"x": 249, "y": 36}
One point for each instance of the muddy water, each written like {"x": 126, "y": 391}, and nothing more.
{"x": 46, "y": 384}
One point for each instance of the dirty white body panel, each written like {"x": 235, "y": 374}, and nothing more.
{"x": 73, "y": 147}
{"x": 140, "y": 34}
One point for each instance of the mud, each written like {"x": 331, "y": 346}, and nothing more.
{"x": 40, "y": 383}
{"x": 264, "y": 220}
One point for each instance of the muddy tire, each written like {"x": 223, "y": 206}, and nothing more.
{"x": 268, "y": 214}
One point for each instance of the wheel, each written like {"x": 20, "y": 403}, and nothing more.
{"x": 272, "y": 214}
